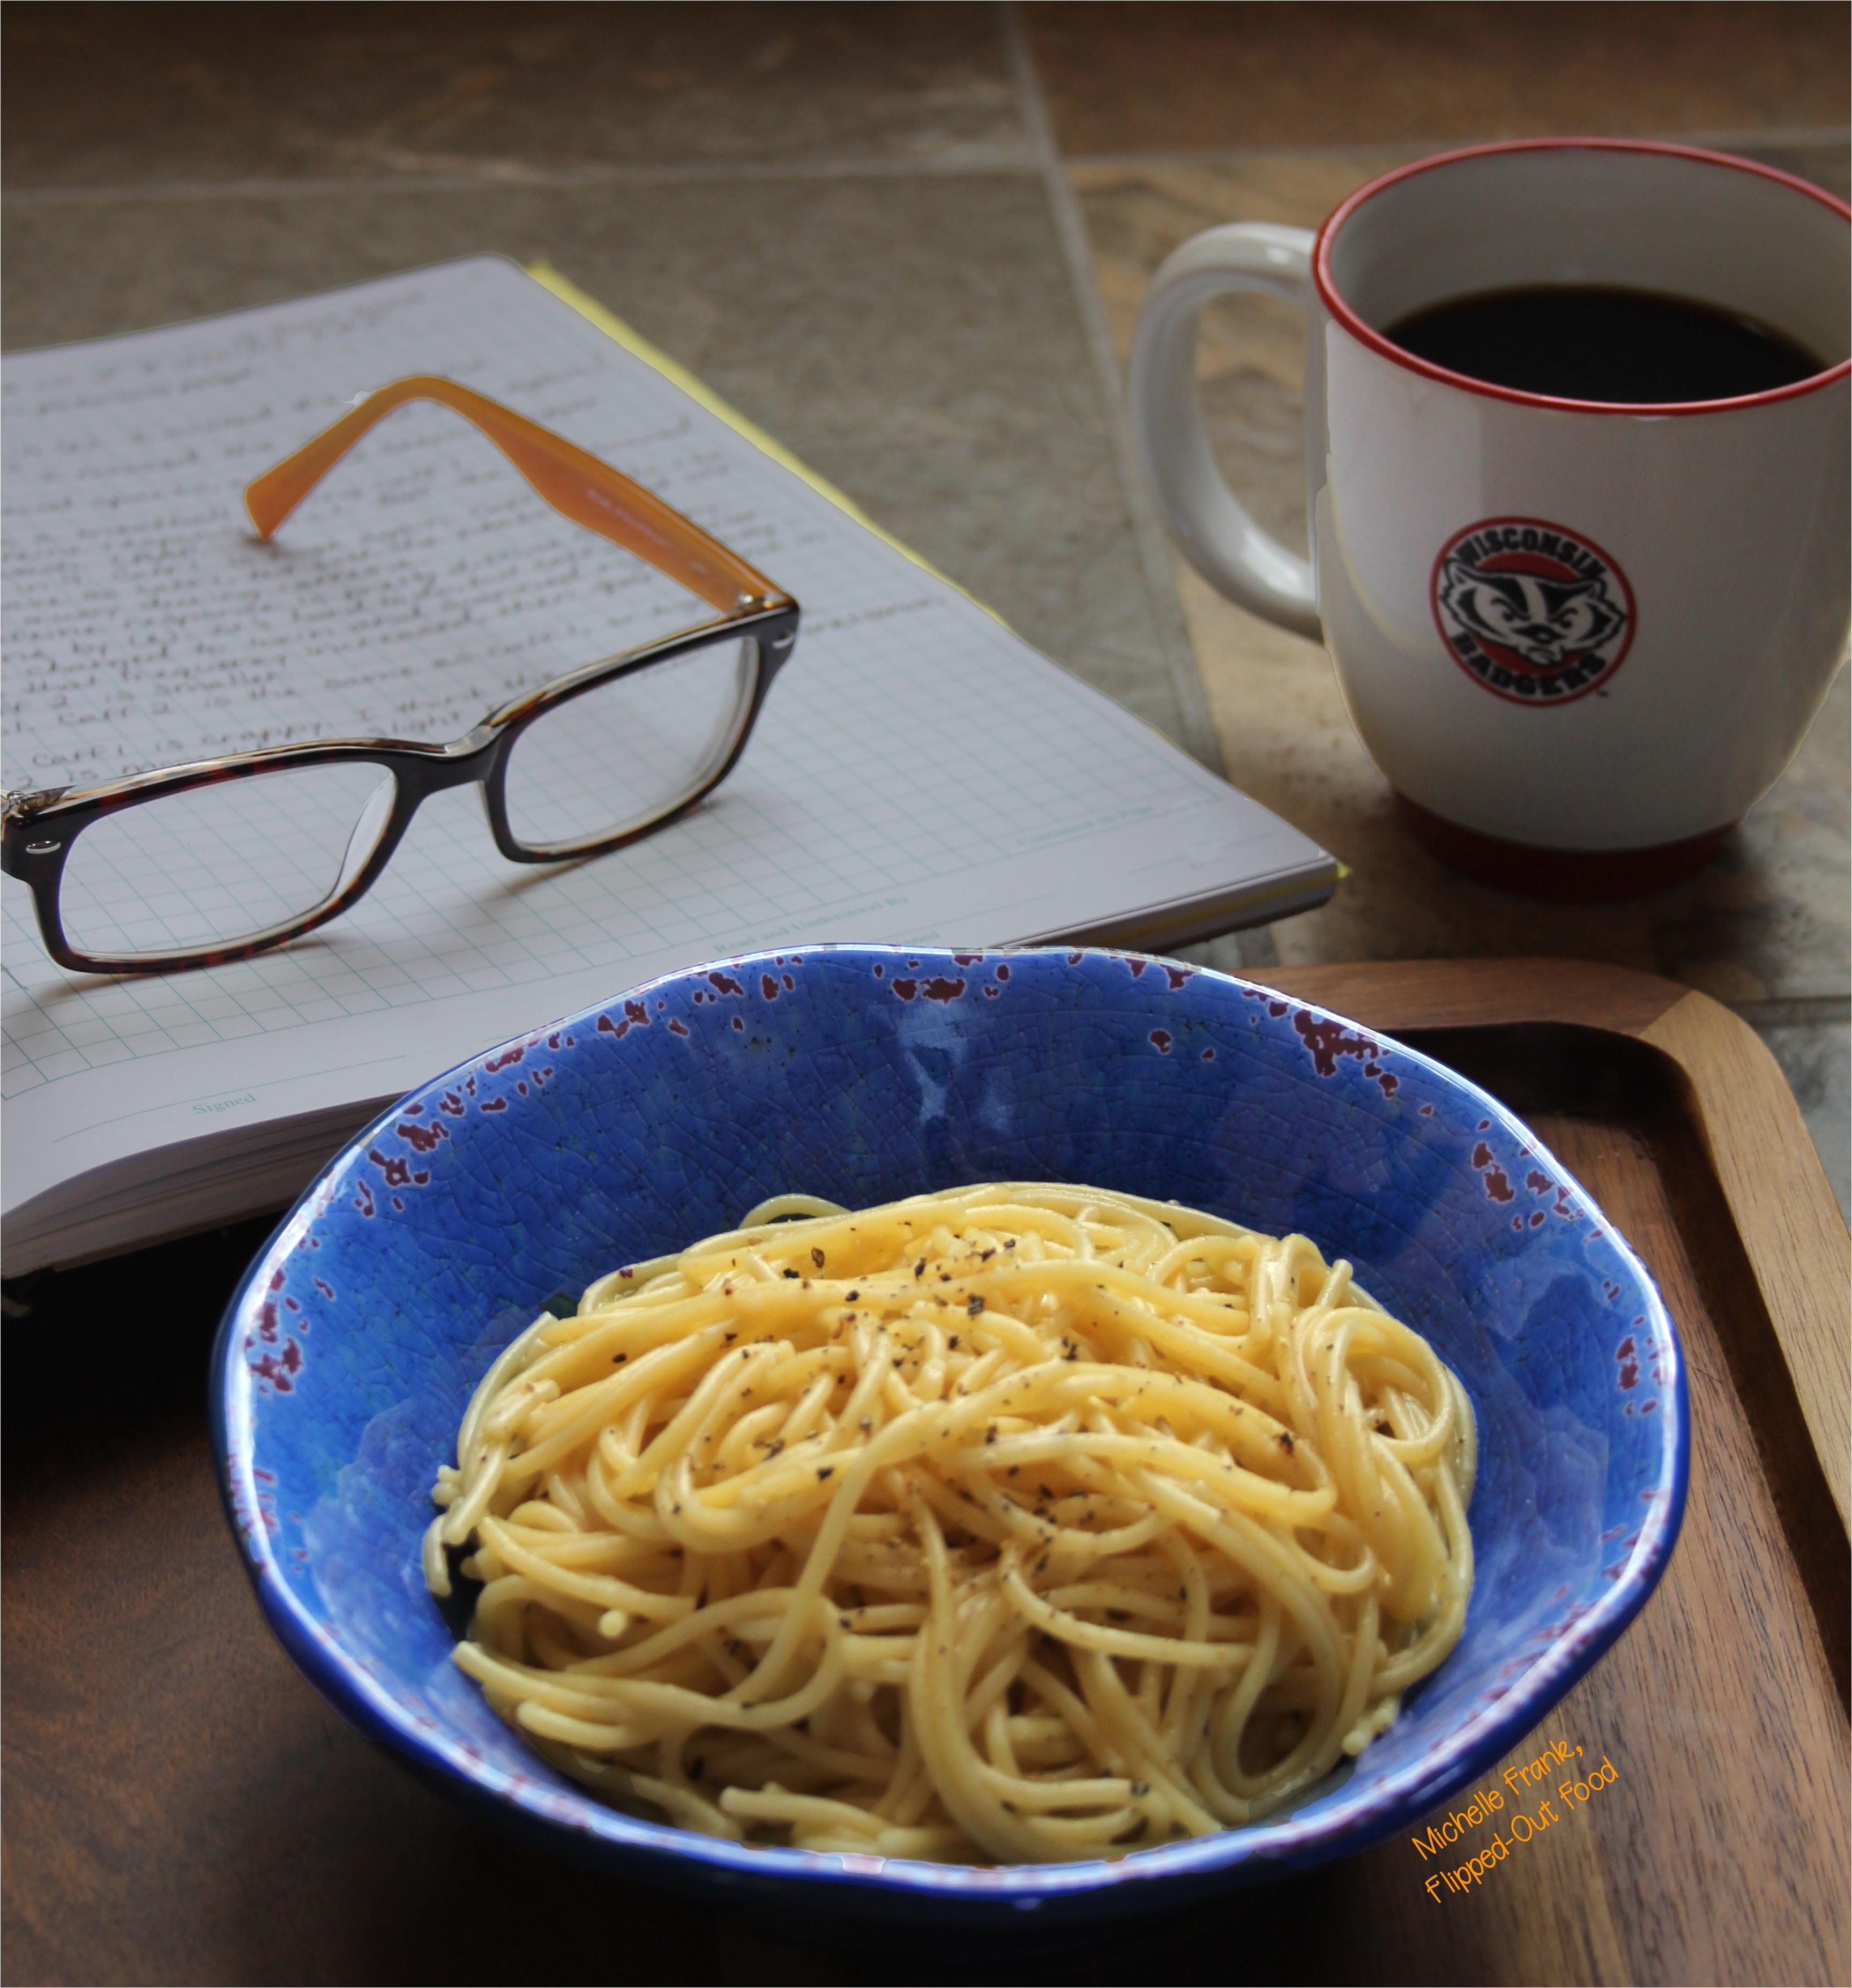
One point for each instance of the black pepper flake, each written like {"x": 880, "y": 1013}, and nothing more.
{"x": 853, "y": 1296}
{"x": 791, "y": 1274}
{"x": 1285, "y": 1440}
{"x": 919, "y": 1268}
{"x": 817, "y": 1257}
{"x": 974, "y": 1304}
{"x": 1141, "y": 1787}
{"x": 828, "y": 1470}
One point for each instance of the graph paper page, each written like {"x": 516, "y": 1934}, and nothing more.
{"x": 919, "y": 774}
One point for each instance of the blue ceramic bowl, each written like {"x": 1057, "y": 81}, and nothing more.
{"x": 863, "y": 1074}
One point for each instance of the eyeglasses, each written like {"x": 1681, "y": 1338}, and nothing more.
{"x": 198, "y": 864}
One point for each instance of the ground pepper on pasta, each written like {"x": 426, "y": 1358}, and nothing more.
{"x": 1017, "y": 1524}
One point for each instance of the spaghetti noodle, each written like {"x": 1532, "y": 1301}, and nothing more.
{"x": 1014, "y": 1524}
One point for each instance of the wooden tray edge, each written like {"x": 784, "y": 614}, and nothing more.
{"x": 1755, "y": 1140}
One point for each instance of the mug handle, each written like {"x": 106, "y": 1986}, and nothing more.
{"x": 1218, "y": 537}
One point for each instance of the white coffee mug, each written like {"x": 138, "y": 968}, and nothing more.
{"x": 1684, "y": 567}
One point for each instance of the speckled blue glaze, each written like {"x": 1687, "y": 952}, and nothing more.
{"x": 862, "y": 1073}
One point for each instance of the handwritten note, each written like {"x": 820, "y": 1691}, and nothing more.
{"x": 918, "y": 772}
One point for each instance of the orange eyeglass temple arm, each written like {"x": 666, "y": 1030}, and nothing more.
{"x": 577, "y": 486}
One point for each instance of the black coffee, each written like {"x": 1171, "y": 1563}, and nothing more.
{"x": 1595, "y": 342}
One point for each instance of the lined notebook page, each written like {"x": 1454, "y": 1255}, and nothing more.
{"x": 919, "y": 774}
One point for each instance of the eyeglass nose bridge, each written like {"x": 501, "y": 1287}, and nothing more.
{"x": 479, "y": 759}
{"x": 418, "y": 774}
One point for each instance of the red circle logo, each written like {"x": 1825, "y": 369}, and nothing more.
{"x": 1533, "y": 612}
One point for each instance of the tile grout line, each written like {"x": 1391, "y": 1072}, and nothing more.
{"x": 1795, "y": 1011}
{"x": 511, "y": 177}
{"x": 1777, "y": 138}
{"x": 1153, "y": 549}
{"x": 1253, "y": 948}
{"x": 976, "y": 162}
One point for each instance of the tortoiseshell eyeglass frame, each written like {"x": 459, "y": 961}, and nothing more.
{"x": 37, "y": 830}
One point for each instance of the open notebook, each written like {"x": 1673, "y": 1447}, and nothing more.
{"x": 919, "y": 773}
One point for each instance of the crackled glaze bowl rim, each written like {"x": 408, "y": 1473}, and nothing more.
{"x": 1295, "y": 1841}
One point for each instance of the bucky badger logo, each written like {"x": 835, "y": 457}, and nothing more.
{"x": 1536, "y": 614}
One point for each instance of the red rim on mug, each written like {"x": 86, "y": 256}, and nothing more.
{"x": 1386, "y": 348}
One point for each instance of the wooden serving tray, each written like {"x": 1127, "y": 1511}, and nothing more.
{"x": 1718, "y": 1853}
{"x": 179, "y": 1806}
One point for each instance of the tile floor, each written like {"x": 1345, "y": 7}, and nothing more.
{"x": 911, "y": 241}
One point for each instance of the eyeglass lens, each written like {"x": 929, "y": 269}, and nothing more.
{"x": 616, "y": 757}
{"x": 216, "y": 865}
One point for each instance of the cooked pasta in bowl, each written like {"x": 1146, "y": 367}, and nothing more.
{"x": 967, "y": 1430}
{"x": 1016, "y": 1523}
